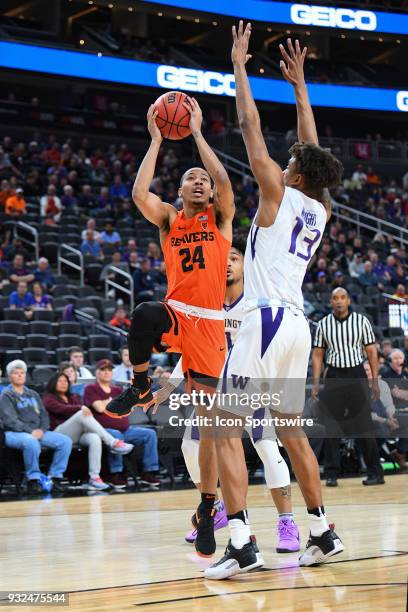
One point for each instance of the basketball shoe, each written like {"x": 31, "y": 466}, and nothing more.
{"x": 288, "y": 536}
{"x": 321, "y": 548}
{"x": 220, "y": 521}
{"x": 123, "y": 404}
{"x": 236, "y": 561}
{"x": 205, "y": 541}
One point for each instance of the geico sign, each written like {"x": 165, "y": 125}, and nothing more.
{"x": 349, "y": 19}
{"x": 402, "y": 100}
{"x": 190, "y": 79}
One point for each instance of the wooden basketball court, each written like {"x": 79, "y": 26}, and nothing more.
{"x": 126, "y": 551}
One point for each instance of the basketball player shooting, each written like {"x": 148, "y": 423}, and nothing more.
{"x": 274, "y": 340}
{"x": 195, "y": 242}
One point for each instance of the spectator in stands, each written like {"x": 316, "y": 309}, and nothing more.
{"x": 43, "y": 274}
{"x": 368, "y": 278}
{"x": 96, "y": 397}
{"x": 27, "y": 428}
{"x": 170, "y": 160}
{"x": 91, "y": 247}
{"x": 86, "y": 199}
{"x": 386, "y": 348}
{"x": 356, "y": 268}
{"x": 123, "y": 373}
{"x": 76, "y": 357}
{"x": 133, "y": 263}
{"x": 42, "y": 301}
{"x": 16, "y": 204}
{"x": 104, "y": 201}
{"x": 396, "y": 377}
{"x": 372, "y": 177}
{"x": 120, "y": 319}
{"x": 68, "y": 368}
{"x": 390, "y": 273}
{"x": 399, "y": 293}
{"x": 383, "y": 409}
{"x": 22, "y": 299}
{"x": 119, "y": 190}
{"x": 109, "y": 236}
{"x": 131, "y": 247}
{"x": 69, "y": 201}
{"x": 154, "y": 254}
{"x": 90, "y": 225}
{"x": 359, "y": 177}
{"x": 50, "y": 205}
{"x": 99, "y": 174}
{"x": 118, "y": 263}
{"x": 19, "y": 272}
{"x": 6, "y": 191}
{"x": 143, "y": 282}
{"x": 338, "y": 280}
{"x": 69, "y": 416}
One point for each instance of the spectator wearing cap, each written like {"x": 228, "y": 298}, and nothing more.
{"x": 16, "y": 204}
{"x": 123, "y": 373}
{"x": 19, "y": 271}
{"x": 321, "y": 279}
{"x": 120, "y": 319}
{"x": 338, "y": 279}
{"x": 43, "y": 274}
{"x": 76, "y": 357}
{"x": 97, "y": 396}
{"x": 69, "y": 416}
{"x": 27, "y": 428}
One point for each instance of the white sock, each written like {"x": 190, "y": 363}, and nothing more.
{"x": 240, "y": 531}
{"x": 318, "y": 524}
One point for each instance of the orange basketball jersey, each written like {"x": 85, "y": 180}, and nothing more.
{"x": 196, "y": 253}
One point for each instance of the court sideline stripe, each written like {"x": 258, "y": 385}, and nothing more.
{"x": 296, "y": 588}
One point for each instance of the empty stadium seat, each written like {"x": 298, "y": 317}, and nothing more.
{"x": 70, "y": 327}
{"x": 41, "y": 327}
{"x": 68, "y": 340}
{"x": 14, "y": 315}
{"x": 41, "y": 375}
{"x": 44, "y": 315}
{"x": 85, "y": 291}
{"x": 41, "y": 341}
{"x": 9, "y": 341}
{"x": 13, "y": 327}
{"x": 11, "y": 355}
{"x": 99, "y": 341}
{"x": 95, "y": 354}
{"x": 34, "y": 356}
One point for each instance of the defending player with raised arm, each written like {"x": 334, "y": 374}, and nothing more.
{"x": 195, "y": 241}
{"x": 311, "y": 169}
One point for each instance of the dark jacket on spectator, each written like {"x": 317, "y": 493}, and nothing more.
{"x": 59, "y": 410}
{"x": 23, "y": 412}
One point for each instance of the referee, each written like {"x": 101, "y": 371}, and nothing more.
{"x": 340, "y": 340}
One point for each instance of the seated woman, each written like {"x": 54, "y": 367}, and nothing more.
{"x": 42, "y": 301}
{"x": 69, "y": 416}
{"x": 68, "y": 368}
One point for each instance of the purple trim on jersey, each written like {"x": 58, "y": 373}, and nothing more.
{"x": 195, "y": 433}
{"x": 258, "y": 430}
{"x": 224, "y": 376}
{"x": 270, "y": 326}
{"x": 228, "y": 307}
{"x": 253, "y": 240}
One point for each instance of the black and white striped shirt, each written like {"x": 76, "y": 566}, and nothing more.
{"x": 344, "y": 339}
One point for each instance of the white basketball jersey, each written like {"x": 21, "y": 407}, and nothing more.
{"x": 233, "y": 315}
{"x": 276, "y": 257}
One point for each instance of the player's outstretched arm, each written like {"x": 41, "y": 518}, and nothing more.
{"x": 292, "y": 70}
{"x": 267, "y": 172}
{"x": 149, "y": 204}
{"x": 225, "y": 196}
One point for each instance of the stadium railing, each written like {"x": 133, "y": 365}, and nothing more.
{"x": 79, "y": 267}
{"x": 112, "y": 284}
{"x": 21, "y": 230}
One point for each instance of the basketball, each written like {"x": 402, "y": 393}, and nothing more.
{"x": 173, "y": 118}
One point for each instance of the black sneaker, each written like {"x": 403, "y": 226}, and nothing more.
{"x": 205, "y": 541}
{"x": 374, "y": 480}
{"x": 57, "y": 485}
{"x": 331, "y": 482}
{"x": 123, "y": 404}
{"x": 34, "y": 487}
{"x": 321, "y": 548}
{"x": 236, "y": 561}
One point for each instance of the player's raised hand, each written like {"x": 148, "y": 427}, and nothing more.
{"x": 152, "y": 125}
{"x": 292, "y": 63}
{"x": 196, "y": 115}
{"x": 239, "y": 53}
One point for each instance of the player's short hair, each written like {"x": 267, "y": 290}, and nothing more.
{"x": 320, "y": 168}
{"x": 239, "y": 244}
{"x": 189, "y": 169}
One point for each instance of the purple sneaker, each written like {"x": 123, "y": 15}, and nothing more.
{"x": 220, "y": 521}
{"x": 288, "y": 536}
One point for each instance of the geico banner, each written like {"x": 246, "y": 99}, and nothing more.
{"x": 132, "y": 72}
{"x": 299, "y": 13}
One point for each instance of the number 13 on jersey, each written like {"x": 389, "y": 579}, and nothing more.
{"x": 308, "y": 241}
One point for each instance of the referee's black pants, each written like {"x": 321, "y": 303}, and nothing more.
{"x": 345, "y": 411}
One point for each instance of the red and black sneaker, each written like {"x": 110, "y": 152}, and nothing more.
{"x": 205, "y": 541}
{"x": 123, "y": 404}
